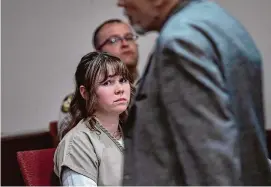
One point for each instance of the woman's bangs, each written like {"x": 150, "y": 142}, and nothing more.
{"x": 114, "y": 68}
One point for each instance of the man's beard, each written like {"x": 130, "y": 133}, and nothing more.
{"x": 138, "y": 29}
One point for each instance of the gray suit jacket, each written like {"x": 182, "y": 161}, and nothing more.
{"x": 198, "y": 116}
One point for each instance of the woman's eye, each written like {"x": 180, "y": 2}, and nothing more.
{"x": 123, "y": 80}
{"x": 106, "y": 83}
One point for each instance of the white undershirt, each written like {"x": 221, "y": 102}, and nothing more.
{"x": 72, "y": 178}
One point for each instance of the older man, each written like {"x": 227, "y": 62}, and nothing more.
{"x": 198, "y": 115}
{"x": 113, "y": 36}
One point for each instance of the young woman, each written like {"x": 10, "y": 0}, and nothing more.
{"x": 91, "y": 152}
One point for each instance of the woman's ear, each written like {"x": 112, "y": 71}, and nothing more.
{"x": 83, "y": 91}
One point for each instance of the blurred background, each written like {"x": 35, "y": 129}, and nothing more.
{"x": 42, "y": 42}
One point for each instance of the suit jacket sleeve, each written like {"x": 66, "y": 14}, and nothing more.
{"x": 194, "y": 97}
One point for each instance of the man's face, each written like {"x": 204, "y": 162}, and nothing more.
{"x": 141, "y": 14}
{"x": 119, "y": 40}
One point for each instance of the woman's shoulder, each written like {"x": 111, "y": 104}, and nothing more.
{"x": 81, "y": 133}
{"x": 77, "y": 150}
{"x": 80, "y": 142}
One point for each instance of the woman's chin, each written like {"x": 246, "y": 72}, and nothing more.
{"x": 120, "y": 109}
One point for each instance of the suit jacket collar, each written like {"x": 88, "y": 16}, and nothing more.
{"x": 182, "y": 4}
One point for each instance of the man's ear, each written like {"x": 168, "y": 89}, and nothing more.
{"x": 83, "y": 91}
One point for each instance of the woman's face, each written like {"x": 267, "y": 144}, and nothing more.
{"x": 113, "y": 94}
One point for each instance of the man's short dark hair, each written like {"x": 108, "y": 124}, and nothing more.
{"x": 97, "y": 30}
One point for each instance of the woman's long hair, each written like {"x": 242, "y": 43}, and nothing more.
{"x": 91, "y": 67}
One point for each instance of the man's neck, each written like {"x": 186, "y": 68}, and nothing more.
{"x": 133, "y": 71}
{"x": 168, "y": 8}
